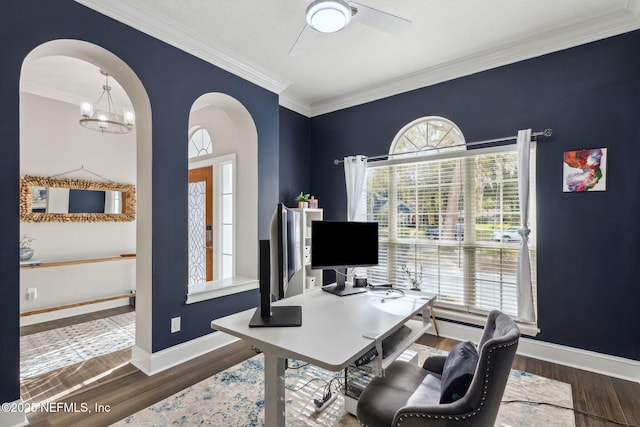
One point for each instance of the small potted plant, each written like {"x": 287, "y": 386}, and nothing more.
{"x": 26, "y": 252}
{"x": 303, "y": 200}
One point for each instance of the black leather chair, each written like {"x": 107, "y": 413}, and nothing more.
{"x": 410, "y": 395}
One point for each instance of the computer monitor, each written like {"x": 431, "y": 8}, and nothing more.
{"x": 338, "y": 245}
{"x": 280, "y": 260}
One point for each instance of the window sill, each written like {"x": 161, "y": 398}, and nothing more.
{"x": 220, "y": 288}
{"x": 528, "y": 329}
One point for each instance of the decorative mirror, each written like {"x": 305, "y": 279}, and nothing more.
{"x": 75, "y": 200}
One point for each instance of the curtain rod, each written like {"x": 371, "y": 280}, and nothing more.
{"x": 546, "y": 133}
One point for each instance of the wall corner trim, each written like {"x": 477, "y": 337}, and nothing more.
{"x": 153, "y": 363}
{"x": 17, "y": 418}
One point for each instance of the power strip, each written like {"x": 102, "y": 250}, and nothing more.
{"x": 327, "y": 402}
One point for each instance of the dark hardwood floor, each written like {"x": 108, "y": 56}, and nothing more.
{"x": 111, "y": 382}
{"x": 614, "y": 399}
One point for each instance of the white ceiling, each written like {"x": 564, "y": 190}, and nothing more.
{"x": 69, "y": 79}
{"x": 447, "y": 39}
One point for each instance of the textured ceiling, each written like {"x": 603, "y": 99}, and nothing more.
{"x": 447, "y": 39}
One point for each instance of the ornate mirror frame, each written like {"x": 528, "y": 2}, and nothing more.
{"x": 28, "y": 182}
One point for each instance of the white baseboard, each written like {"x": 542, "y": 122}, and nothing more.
{"x": 599, "y": 363}
{"x": 74, "y": 311}
{"x": 13, "y": 418}
{"x": 152, "y": 363}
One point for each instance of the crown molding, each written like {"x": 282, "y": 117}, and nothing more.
{"x": 45, "y": 91}
{"x": 575, "y": 34}
{"x": 295, "y": 104}
{"x": 181, "y": 37}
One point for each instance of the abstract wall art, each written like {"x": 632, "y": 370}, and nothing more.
{"x": 585, "y": 170}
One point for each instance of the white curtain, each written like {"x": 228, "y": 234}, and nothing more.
{"x": 355, "y": 168}
{"x": 525, "y": 294}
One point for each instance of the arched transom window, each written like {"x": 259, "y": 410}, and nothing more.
{"x": 426, "y": 136}
{"x": 200, "y": 143}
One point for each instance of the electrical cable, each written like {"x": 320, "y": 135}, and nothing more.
{"x": 306, "y": 384}
{"x": 301, "y": 365}
{"x": 387, "y": 294}
{"x": 326, "y": 393}
{"x": 340, "y": 272}
{"x": 578, "y": 411}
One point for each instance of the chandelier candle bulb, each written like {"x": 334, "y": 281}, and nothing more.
{"x": 106, "y": 119}
{"x": 86, "y": 109}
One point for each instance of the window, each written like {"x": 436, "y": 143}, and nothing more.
{"x": 449, "y": 217}
{"x": 200, "y": 143}
{"x": 212, "y": 232}
{"x": 227, "y": 246}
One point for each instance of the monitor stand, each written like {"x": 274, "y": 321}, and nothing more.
{"x": 288, "y": 315}
{"x": 340, "y": 287}
{"x": 267, "y": 315}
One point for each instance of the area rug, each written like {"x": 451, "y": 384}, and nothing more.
{"x": 235, "y": 398}
{"x": 49, "y": 350}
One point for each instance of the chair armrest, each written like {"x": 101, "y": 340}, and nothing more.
{"x": 435, "y": 364}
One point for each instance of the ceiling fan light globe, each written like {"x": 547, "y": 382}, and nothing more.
{"x": 328, "y": 16}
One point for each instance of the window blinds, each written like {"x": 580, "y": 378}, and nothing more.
{"x": 450, "y": 223}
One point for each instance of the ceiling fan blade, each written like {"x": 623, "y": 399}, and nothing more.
{"x": 307, "y": 35}
{"x": 381, "y": 20}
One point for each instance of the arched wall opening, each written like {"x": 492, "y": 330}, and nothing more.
{"x": 136, "y": 92}
{"x": 233, "y": 132}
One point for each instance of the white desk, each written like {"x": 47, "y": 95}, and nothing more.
{"x": 335, "y": 331}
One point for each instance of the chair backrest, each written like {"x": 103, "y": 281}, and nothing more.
{"x": 496, "y": 351}
{"x": 479, "y": 406}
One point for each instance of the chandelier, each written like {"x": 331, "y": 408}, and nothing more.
{"x": 103, "y": 116}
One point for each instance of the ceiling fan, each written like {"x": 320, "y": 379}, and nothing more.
{"x": 329, "y": 16}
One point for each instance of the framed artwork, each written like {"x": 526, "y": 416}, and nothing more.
{"x": 585, "y": 170}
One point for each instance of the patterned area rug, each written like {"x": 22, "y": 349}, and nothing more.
{"x": 235, "y": 397}
{"x": 45, "y": 351}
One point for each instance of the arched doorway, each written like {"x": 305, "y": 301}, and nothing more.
{"x": 102, "y": 59}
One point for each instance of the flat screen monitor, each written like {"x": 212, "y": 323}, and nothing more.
{"x": 280, "y": 260}
{"x": 338, "y": 245}
{"x": 286, "y": 249}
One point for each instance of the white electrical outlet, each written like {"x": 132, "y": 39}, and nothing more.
{"x": 32, "y": 293}
{"x": 175, "y": 324}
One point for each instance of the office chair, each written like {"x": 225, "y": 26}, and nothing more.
{"x": 409, "y": 395}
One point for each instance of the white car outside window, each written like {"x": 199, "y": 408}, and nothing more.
{"x": 511, "y": 234}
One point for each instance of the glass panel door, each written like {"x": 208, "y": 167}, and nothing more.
{"x": 200, "y": 225}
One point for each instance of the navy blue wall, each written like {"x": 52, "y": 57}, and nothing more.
{"x": 294, "y": 156}
{"x": 588, "y": 243}
{"x": 173, "y": 81}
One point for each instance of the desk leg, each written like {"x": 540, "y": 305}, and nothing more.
{"x": 273, "y": 390}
